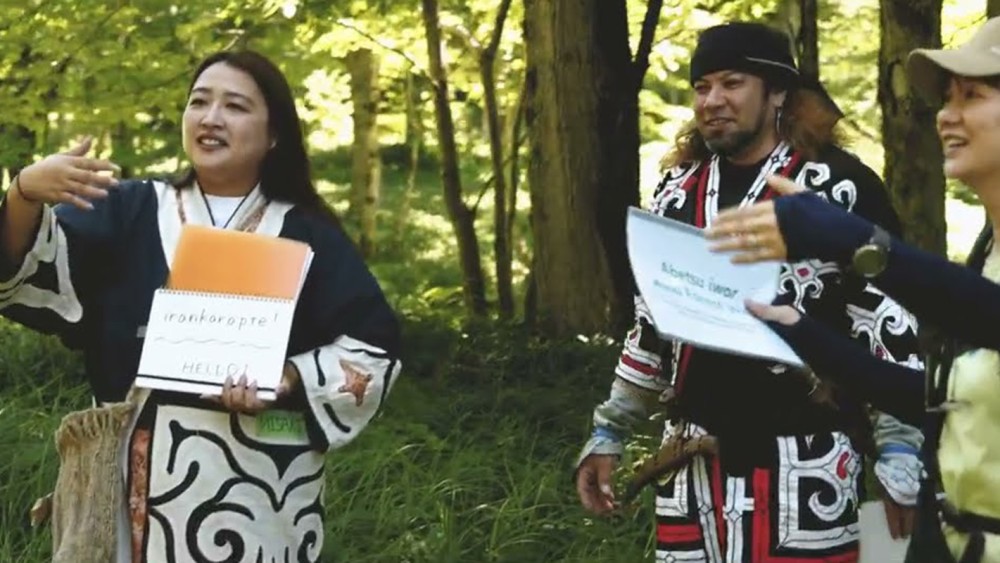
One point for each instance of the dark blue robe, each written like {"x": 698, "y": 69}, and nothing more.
{"x": 204, "y": 484}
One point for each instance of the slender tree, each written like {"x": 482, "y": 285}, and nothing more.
{"x": 913, "y": 158}
{"x": 366, "y": 163}
{"x": 582, "y": 115}
{"x": 501, "y": 231}
{"x": 807, "y": 39}
{"x": 462, "y": 219}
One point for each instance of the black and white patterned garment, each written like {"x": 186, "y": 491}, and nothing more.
{"x": 786, "y": 485}
{"x": 204, "y": 484}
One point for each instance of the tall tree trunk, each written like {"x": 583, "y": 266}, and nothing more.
{"x": 122, "y": 150}
{"x": 913, "y": 158}
{"x": 619, "y": 114}
{"x": 618, "y": 142}
{"x": 530, "y": 302}
{"x": 501, "y": 237}
{"x": 582, "y": 115}
{"x": 413, "y": 138}
{"x": 462, "y": 219}
{"x": 515, "y": 117}
{"x": 992, "y": 8}
{"x": 365, "y": 164}
{"x": 807, "y": 39}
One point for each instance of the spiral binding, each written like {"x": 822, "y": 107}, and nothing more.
{"x": 233, "y": 296}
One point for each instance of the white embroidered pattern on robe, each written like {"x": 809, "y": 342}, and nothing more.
{"x": 49, "y": 250}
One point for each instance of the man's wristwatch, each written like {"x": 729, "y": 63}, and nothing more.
{"x": 871, "y": 258}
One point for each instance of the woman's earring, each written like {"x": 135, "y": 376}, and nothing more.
{"x": 777, "y": 120}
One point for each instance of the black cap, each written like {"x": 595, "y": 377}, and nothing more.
{"x": 746, "y": 47}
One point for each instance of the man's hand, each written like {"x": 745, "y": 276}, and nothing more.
{"x": 898, "y": 470}
{"x": 900, "y": 518}
{"x": 593, "y": 483}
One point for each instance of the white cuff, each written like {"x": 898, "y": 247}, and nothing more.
{"x": 345, "y": 384}
{"x": 899, "y": 473}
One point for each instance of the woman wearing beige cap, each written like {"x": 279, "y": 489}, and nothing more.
{"x": 960, "y": 404}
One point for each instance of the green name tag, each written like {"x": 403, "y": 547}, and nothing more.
{"x": 280, "y": 424}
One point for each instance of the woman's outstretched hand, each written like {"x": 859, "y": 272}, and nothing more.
{"x": 68, "y": 177}
{"x": 752, "y": 233}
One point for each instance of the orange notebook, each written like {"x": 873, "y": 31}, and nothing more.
{"x": 219, "y": 261}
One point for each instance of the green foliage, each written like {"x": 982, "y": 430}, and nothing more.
{"x": 115, "y": 69}
{"x": 477, "y": 464}
{"x": 120, "y": 70}
{"x": 41, "y": 383}
{"x": 470, "y": 461}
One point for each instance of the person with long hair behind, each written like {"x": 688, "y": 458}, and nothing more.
{"x": 81, "y": 254}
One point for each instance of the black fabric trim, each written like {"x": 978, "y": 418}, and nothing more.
{"x": 335, "y": 419}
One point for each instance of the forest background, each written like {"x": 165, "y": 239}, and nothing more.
{"x": 482, "y": 154}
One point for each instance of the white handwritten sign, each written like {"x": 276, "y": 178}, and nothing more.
{"x": 194, "y": 341}
{"x": 697, "y": 296}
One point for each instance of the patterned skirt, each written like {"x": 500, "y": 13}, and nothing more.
{"x": 204, "y": 484}
{"x": 803, "y": 507}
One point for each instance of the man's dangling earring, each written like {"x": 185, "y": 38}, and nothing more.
{"x": 777, "y": 120}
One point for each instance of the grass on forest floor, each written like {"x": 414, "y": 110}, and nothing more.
{"x": 470, "y": 460}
